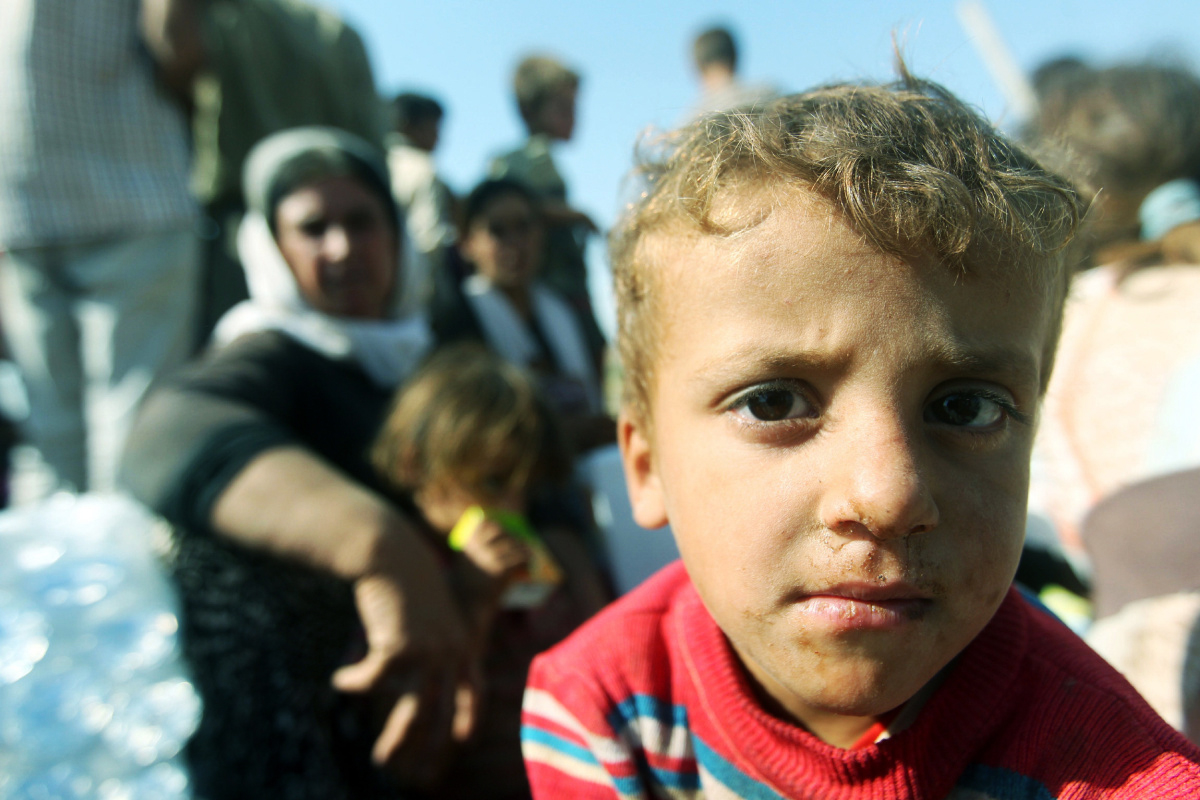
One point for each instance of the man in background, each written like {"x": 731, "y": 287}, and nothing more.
{"x": 715, "y": 56}
{"x": 98, "y": 252}
{"x": 427, "y": 202}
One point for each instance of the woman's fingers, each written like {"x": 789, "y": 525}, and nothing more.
{"x": 397, "y": 728}
{"x": 362, "y": 676}
{"x": 416, "y": 741}
{"x": 417, "y": 652}
{"x": 467, "y": 696}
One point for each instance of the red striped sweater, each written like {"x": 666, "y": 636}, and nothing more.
{"x": 647, "y": 700}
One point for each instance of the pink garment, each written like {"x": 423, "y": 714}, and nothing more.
{"x": 1124, "y": 349}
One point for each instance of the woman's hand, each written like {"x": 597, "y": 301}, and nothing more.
{"x": 291, "y": 503}
{"x": 416, "y": 664}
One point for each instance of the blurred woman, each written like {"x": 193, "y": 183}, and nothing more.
{"x": 315, "y": 615}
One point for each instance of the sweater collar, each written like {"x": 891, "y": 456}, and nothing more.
{"x": 976, "y": 696}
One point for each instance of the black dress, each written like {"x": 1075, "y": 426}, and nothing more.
{"x": 262, "y": 635}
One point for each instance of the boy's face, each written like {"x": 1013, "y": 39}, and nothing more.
{"x": 840, "y": 442}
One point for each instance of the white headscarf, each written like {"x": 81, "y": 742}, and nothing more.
{"x": 386, "y": 349}
{"x": 509, "y": 335}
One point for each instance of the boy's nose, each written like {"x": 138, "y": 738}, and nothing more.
{"x": 879, "y": 488}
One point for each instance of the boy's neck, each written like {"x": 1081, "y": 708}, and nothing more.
{"x": 843, "y": 730}
{"x": 839, "y": 730}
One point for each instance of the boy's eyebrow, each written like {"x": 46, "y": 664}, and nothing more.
{"x": 1007, "y": 361}
{"x": 1011, "y": 363}
{"x": 732, "y": 364}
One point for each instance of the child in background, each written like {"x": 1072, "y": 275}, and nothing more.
{"x": 473, "y": 442}
{"x": 838, "y": 316}
{"x": 506, "y": 305}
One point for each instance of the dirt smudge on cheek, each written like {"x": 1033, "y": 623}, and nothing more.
{"x": 754, "y": 615}
{"x": 923, "y": 568}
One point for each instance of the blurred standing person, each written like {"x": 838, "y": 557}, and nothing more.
{"x": 98, "y": 252}
{"x": 1115, "y": 459}
{"x": 1119, "y": 407}
{"x": 715, "y": 56}
{"x": 315, "y": 617}
{"x": 546, "y": 91}
{"x": 427, "y": 201}
{"x": 264, "y": 66}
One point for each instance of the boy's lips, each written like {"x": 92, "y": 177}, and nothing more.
{"x": 863, "y": 605}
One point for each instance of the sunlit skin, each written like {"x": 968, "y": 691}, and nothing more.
{"x": 840, "y": 442}
{"x": 336, "y": 237}
{"x": 504, "y": 243}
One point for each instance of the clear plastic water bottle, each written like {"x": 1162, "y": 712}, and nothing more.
{"x": 25, "y": 633}
{"x": 94, "y": 698}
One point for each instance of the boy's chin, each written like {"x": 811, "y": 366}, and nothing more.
{"x": 844, "y": 687}
{"x": 866, "y": 695}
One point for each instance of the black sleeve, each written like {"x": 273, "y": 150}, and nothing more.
{"x": 195, "y": 434}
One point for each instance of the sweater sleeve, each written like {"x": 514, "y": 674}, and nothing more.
{"x": 570, "y": 749}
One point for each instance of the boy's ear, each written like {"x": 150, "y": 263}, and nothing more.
{"x": 641, "y": 474}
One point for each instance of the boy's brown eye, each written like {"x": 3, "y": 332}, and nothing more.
{"x": 965, "y": 411}
{"x": 774, "y": 404}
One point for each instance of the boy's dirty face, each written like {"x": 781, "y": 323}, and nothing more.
{"x": 840, "y": 442}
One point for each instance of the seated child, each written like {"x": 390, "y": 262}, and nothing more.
{"x": 838, "y": 315}
{"x": 472, "y": 440}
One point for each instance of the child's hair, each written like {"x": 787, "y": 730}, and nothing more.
{"x": 1127, "y": 129}
{"x": 913, "y": 170}
{"x": 485, "y": 192}
{"x": 536, "y": 80}
{"x": 471, "y": 418}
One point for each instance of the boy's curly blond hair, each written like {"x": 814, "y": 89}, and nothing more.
{"x": 915, "y": 171}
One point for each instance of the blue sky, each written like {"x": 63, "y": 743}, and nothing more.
{"x": 634, "y": 60}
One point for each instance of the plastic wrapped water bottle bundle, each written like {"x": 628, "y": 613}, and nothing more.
{"x": 94, "y": 698}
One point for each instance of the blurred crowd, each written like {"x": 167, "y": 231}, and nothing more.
{"x": 234, "y": 286}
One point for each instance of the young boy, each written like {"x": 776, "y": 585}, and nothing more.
{"x": 837, "y": 317}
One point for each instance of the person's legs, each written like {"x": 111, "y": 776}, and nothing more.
{"x": 136, "y": 318}
{"x": 43, "y": 339}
